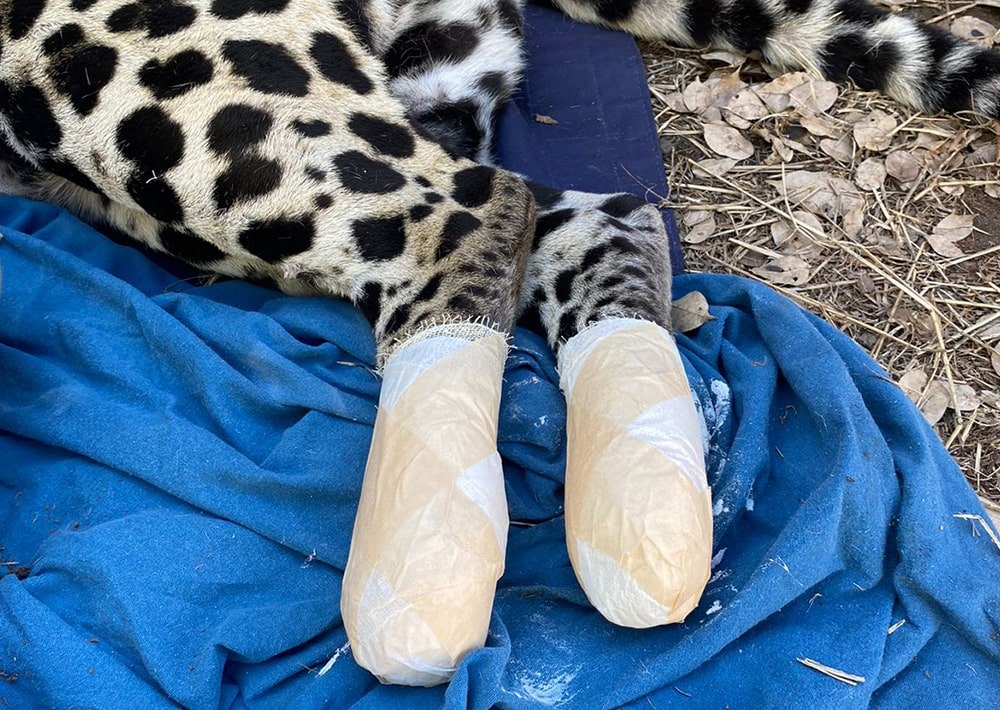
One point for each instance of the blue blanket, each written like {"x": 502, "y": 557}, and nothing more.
{"x": 180, "y": 465}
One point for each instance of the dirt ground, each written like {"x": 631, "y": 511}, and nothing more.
{"x": 881, "y": 220}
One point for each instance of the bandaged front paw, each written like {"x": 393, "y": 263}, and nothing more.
{"x": 638, "y": 506}
{"x": 431, "y": 530}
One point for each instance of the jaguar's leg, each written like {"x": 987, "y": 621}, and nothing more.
{"x": 638, "y": 508}
{"x": 919, "y": 65}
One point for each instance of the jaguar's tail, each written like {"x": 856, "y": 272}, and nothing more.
{"x": 917, "y": 64}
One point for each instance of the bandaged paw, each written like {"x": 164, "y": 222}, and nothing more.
{"x": 638, "y": 506}
{"x": 431, "y": 530}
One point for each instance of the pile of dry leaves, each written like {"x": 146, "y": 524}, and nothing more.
{"x": 883, "y": 221}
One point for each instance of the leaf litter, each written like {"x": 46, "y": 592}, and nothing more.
{"x": 882, "y": 220}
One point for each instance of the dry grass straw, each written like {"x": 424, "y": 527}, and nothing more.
{"x": 883, "y": 221}
{"x": 843, "y": 677}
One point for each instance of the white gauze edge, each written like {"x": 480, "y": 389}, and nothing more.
{"x": 638, "y": 506}
{"x": 431, "y": 530}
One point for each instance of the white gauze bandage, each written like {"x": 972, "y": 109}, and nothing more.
{"x": 431, "y": 531}
{"x": 638, "y": 506}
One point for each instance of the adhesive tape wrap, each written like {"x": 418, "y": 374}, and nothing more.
{"x": 431, "y": 529}
{"x": 638, "y": 506}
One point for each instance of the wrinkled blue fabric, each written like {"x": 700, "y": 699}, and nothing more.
{"x": 180, "y": 466}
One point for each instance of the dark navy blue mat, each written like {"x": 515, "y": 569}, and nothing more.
{"x": 180, "y": 466}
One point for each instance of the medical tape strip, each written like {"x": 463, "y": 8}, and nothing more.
{"x": 430, "y": 534}
{"x": 638, "y": 506}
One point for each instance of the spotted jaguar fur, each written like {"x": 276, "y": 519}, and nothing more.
{"x": 341, "y": 147}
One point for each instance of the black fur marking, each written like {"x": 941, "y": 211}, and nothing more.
{"x": 312, "y": 129}
{"x": 615, "y": 10}
{"x": 178, "y": 75}
{"x": 322, "y": 202}
{"x": 748, "y": 24}
{"x": 155, "y": 196}
{"x": 30, "y": 117}
{"x": 419, "y": 212}
{"x": 353, "y": 13}
{"x": 380, "y": 238}
{"x": 248, "y": 176}
{"x": 510, "y": 16}
{"x": 385, "y": 137}
{"x": 494, "y": 84}
{"x": 430, "y": 42}
{"x": 545, "y": 197}
{"x": 278, "y": 239}
{"x": 462, "y": 303}
{"x": 189, "y": 247}
{"x": 432, "y": 198}
{"x": 622, "y": 206}
{"x": 473, "y": 186}
{"x": 854, "y": 56}
{"x": 370, "y": 303}
{"x": 422, "y": 181}
{"x": 458, "y": 226}
{"x": 232, "y": 9}
{"x": 237, "y": 127}
{"x": 158, "y": 17}
{"x": 564, "y": 284}
{"x": 268, "y": 68}
{"x": 799, "y": 7}
{"x": 151, "y": 139}
{"x": 315, "y": 174}
{"x": 429, "y": 290}
{"x": 700, "y": 17}
{"x": 335, "y": 62}
{"x": 359, "y": 173}
{"x": 454, "y": 127}
{"x": 68, "y": 171}
{"x": 567, "y": 325}
{"x": 397, "y": 319}
{"x": 593, "y": 257}
{"x": 82, "y": 73}
{"x": 63, "y": 38}
{"x": 81, "y": 5}
{"x": 860, "y": 11}
{"x": 550, "y": 222}
{"x": 23, "y": 15}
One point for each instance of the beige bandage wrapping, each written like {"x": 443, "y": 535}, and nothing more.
{"x": 431, "y": 531}
{"x": 638, "y": 506}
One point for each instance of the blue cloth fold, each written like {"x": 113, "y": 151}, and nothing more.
{"x": 181, "y": 465}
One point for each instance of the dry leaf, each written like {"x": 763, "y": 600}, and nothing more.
{"x": 975, "y": 30}
{"x": 935, "y": 401}
{"x": 726, "y": 140}
{"x": 723, "y": 55}
{"x": 902, "y": 165}
{"x": 840, "y": 150}
{"x": 822, "y": 126}
{"x": 814, "y": 96}
{"x": 870, "y": 175}
{"x": 697, "y": 96}
{"x": 785, "y": 270}
{"x": 799, "y": 235}
{"x": 716, "y": 166}
{"x": 989, "y": 325}
{"x": 853, "y": 221}
{"x": 547, "y": 120}
{"x": 820, "y": 193}
{"x": 964, "y": 399}
{"x": 781, "y": 148}
{"x": 949, "y": 230}
{"x": 913, "y": 383}
{"x": 699, "y": 224}
{"x": 690, "y": 312}
{"x": 745, "y": 108}
{"x": 776, "y": 93}
{"x": 995, "y": 360}
{"x": 874, "y": 132}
